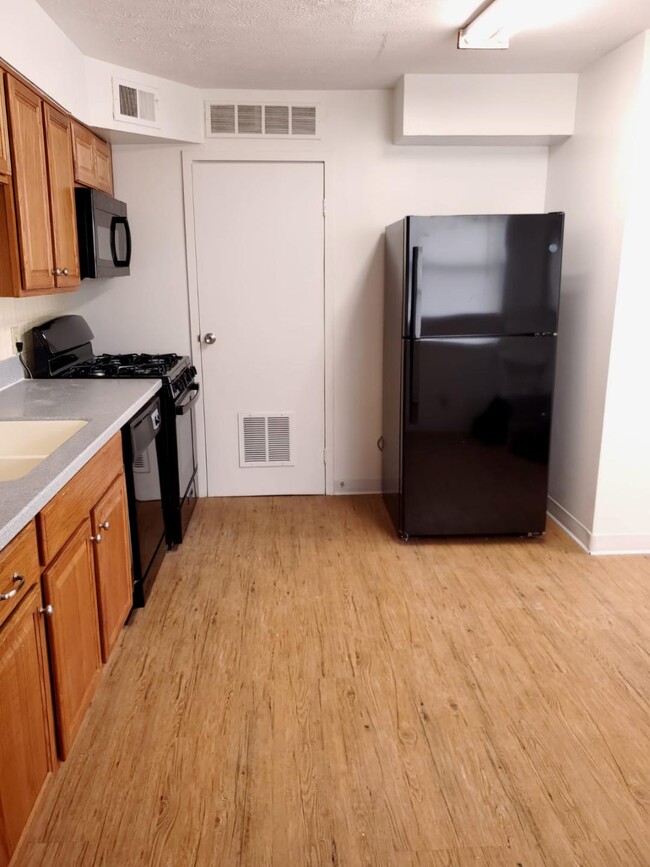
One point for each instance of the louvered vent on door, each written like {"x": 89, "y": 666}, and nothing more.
{"x": 269, "y": 121}
{"x": 134, "y": 103}
{"x": 266, "y": 439}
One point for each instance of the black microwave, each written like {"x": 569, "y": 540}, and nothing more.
{"x": 104, "y": 234}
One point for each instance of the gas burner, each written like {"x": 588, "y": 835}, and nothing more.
{"x": 129, "y": 366}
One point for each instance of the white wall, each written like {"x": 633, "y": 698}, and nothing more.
{"x": 180, "y": 108}
{"x": 485, "y": 109}
{"x": 370, "y": 183}
{"x": 622, "y": 510}
{"x": 589, "y": 178}
{"x": 32, "y": 43}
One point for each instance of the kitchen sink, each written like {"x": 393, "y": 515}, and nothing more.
{"x": 25, "y": 443}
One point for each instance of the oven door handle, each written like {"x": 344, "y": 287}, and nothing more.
{"x": 182, "y": 408}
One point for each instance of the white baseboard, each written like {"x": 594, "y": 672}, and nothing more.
{"x": 604, "y": 544}
{"x": 596, "y": 544}
{"x": 571, "y": 525}
{"x": 357, "y": 486}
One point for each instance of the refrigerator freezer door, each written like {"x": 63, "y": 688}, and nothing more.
{"x": 476, "y": 427}
{"x": 483, "y": 275}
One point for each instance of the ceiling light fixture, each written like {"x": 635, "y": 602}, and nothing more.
{"x": 489, "y": 30}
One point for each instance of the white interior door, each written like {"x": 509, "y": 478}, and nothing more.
{"x": 259, "y": 231}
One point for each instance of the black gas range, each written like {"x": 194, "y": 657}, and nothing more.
{"x": 62, "y": 349}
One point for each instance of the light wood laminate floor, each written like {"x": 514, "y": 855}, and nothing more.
{"x": 304, "y": 689}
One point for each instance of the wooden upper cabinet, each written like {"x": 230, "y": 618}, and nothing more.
{"x": 112, "y": 545}
{"x": 5, "y": 160}
{"x": 84, "y": 155}
{"x": 93, "y": 165}
{"x": 104, "y": 165}
{"x": 27, "y": 739}
{"x": 73, "y": 628}
{"x": 31, "y": 187}
{"x": 62, "y": 201}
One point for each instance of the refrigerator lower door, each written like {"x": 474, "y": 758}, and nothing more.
{"x": 476, "y": 428}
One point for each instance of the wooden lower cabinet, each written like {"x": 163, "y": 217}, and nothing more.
{"x": 27, "y": 755}
{"x": 73, "y": 631}
{"x": 112, "y": 546}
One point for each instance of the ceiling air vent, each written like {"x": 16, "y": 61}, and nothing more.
{"x": 266, "y": 439}
{"x": 222, "y": 120}
{"x": 267, "y": 121}
{"x": 134, "y": 103}
{"x": 276, "y": 119}
{"x": 303, "y": 120}
{"x": 249, "y": 119}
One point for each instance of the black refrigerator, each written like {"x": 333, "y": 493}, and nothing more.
{"x": 470, "y": 332}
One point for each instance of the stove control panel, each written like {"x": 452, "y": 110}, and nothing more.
{"x": 183, "y": 381}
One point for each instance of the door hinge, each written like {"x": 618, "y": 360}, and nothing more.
{"x": 324, "y": 207}
{"x": 325, "y": 456}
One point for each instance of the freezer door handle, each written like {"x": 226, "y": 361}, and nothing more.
{"x": 416, "y": 297}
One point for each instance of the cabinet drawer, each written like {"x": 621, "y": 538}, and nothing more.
{"x": 63, "y": 514}
{"x": 19, "y": 557}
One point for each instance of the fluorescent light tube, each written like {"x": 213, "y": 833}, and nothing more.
{"x": 489, "y": 30}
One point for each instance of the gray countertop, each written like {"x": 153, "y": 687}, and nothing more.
{"x": 107, "y": 405}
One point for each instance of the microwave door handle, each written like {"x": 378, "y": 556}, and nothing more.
{"x": 115, "y": 222}
{"x": 182, "y": 408}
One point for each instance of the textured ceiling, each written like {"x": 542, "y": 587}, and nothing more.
{"x": 332, "y": 43}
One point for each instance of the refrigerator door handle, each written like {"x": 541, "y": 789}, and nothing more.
{"x": 416, "y": 297}
{"x": 414, "y": 402}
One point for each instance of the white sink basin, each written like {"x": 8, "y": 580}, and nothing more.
{"x": 24, "y": 444}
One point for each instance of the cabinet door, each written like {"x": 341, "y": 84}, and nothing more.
{"x": 110, "y": 521}
{"x": 104, "y": 166}
{"x": 73, "y": 629}
{"x": 62, "y": 203}
{"x": 5, "y": 161}
{"x": 83, "y": 142}
{"x": 10, "y": 276}
{"x": 26, "y": 734}
{"x": 31, "y": 189}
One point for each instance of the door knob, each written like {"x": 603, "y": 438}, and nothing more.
{"x": 65, "y": 272}
{"x": 97, "y": 538}
{"x": 49, "y": 610}
{"x": 105, "y": 525}
{"x": 210, "y": 337}
{"x": 57, "y": 272}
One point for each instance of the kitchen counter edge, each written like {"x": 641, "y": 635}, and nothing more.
{"x": 107, "y": 405}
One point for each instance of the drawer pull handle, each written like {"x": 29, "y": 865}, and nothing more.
{"x": 21, "y": 583}
{"x": 97, "y": 538}
{"x": 49, "y": 610}
{"x": 105, "y": 525}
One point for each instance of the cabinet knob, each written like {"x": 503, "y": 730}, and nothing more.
{"x": 17, "y": 579}
{"x": 56, "y": 272}
{"x": 49, "y": 610}
{"x": 97, "y": 538}
{"x": 105, "y": 525}
{"x": 65, "y": 272}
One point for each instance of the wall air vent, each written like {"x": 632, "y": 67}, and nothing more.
{"x": 134, "y": 103}
{"x": 266, "y": 439}
{"x": 260, "y": 120}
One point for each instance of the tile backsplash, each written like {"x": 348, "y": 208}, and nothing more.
{"x": 24, "y": 313}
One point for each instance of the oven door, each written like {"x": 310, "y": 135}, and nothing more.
{"x": 185, "y": 412}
